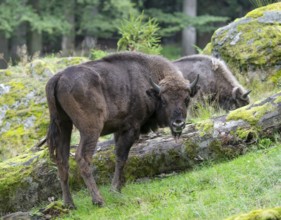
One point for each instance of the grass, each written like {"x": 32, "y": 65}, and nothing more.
{"x": 249, "y": 182}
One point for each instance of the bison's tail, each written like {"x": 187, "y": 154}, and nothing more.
{"x": 57, "y": 132}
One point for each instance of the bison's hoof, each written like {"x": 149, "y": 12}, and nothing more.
{"x": 115, "y": 189}
{"x": 98, "y": 202}
{"x": 69, "y": 205}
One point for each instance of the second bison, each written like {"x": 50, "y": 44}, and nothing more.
{"x": 217, "y": 82}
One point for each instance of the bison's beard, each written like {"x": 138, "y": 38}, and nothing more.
{"x": 176, "y": 134}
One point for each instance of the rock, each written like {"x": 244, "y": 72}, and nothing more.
{"x": 24, "y": 114}
{"x": 18, "y": 216}
{"x": 251, "y": 45}
{"x": 262, "y": 214}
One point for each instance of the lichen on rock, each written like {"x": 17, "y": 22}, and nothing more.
{"x": 261, "y": 214}
{"x": 24, "y": 114}
{"x": 251, "y": 45}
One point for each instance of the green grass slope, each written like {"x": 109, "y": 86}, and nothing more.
{"x": 250, "y": 182}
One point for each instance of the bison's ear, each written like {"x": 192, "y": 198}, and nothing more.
{"x": 153, "y": 93}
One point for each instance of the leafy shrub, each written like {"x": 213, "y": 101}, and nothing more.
{"x": 138, "y": 35}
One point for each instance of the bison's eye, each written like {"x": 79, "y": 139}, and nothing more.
{"x": 186, "y": 101}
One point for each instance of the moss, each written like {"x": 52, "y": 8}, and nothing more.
{"x": 223, "y": 151}
{"x": 26, "y": 118}
{"x": 139, "y": 167}
{"x": 26, "y": 113}
{"x": 258, "y": 12}
{"x": 39, "y": 67}
{"x": 277, "y": 100}
{"x": 251, "y": 114}
{"x": 250, "y": 44}
{"x": 276, "y": 78}
{"x": 14, "y": 174}
{"x": 205, "y": 127}
{"x": 208, "y": 49}
{"x": 256, "y": 44}
{"x": 55, "y": 209}
{"x": 104, "y": 164}
{"x": 190, "y": 148}
{"x": 48, "y": 66}
{"x": 246, "y": 133}
{"x": 262, "y": 214}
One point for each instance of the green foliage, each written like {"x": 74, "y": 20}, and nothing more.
{"x": 138, "y": 35}
{"x": 265, "y": 143}
{"x": 14, "y": 13}
{"x": 171, "y": 23}
{"x": 171, "y": 51}
{"x": 260, "y": 3}
{"x": 101, "y": 18}
{"x": 97, "y": 54}
{"x": 204, "y": 110}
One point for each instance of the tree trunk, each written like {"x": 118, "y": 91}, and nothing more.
{"x": 68, "y": 40}
{"x": 18, "y": 44}
{"x": 34, "y": 40}
{"x": 3, "y": 51}
{"x": 89, "y": 41}
{"x": 189, "y": 33}
{"x": 34, "y": 177}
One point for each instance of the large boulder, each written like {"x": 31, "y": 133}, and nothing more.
{"x": 23, "y": 109}
{"x": 251, "y": 45}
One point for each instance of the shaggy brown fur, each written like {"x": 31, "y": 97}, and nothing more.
{"x": 125, "y": 94}
{"x": 216, "y": 80}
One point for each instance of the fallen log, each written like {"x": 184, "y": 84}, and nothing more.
{"x": 32, "y": 178}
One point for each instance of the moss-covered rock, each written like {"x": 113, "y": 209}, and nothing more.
{"x": 251, "y": 114}
{"x": 24, "y": 114}
{"x": 262, "y": 214}
{"x": 25, "y": 180}
{"x": 251, "y": 44}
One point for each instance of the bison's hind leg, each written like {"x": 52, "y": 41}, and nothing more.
{"x": 62, "y": 157}
{"x": 83, "y": 157}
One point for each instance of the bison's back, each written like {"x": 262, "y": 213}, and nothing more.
{"x": 190, "y": 68}
{"x": 107, "y": 93}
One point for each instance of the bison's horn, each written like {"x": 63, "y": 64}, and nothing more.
{"x": 244, "y": 96}
{"x": 154, "y": 85}
{"x": 234, "y": 92}
{"x": 193, "y": 84}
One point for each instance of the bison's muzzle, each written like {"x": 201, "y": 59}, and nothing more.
{"x": 178, "y": 126}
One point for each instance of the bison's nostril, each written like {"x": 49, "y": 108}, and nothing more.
{"x": 178, "y": 123}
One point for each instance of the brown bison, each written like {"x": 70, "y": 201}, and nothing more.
{"x": 216, "y": 81}
{"x": 126, "y": 94}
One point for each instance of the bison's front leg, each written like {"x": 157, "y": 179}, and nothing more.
{"x": 83, "y": 157}
{"x": 123, "y": 142}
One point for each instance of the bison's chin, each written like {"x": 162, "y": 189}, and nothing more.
{"x": 176, "y": 134}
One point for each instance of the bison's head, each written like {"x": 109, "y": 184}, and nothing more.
{"x": 173, "y": 96}
{"x": 238, "y": 99}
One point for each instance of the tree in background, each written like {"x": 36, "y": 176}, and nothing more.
{"x": 137, "y": 35}
{"x": 189, "y": 33}
{"x": 71, "y": 25}
{"x": 23, "y": 22}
